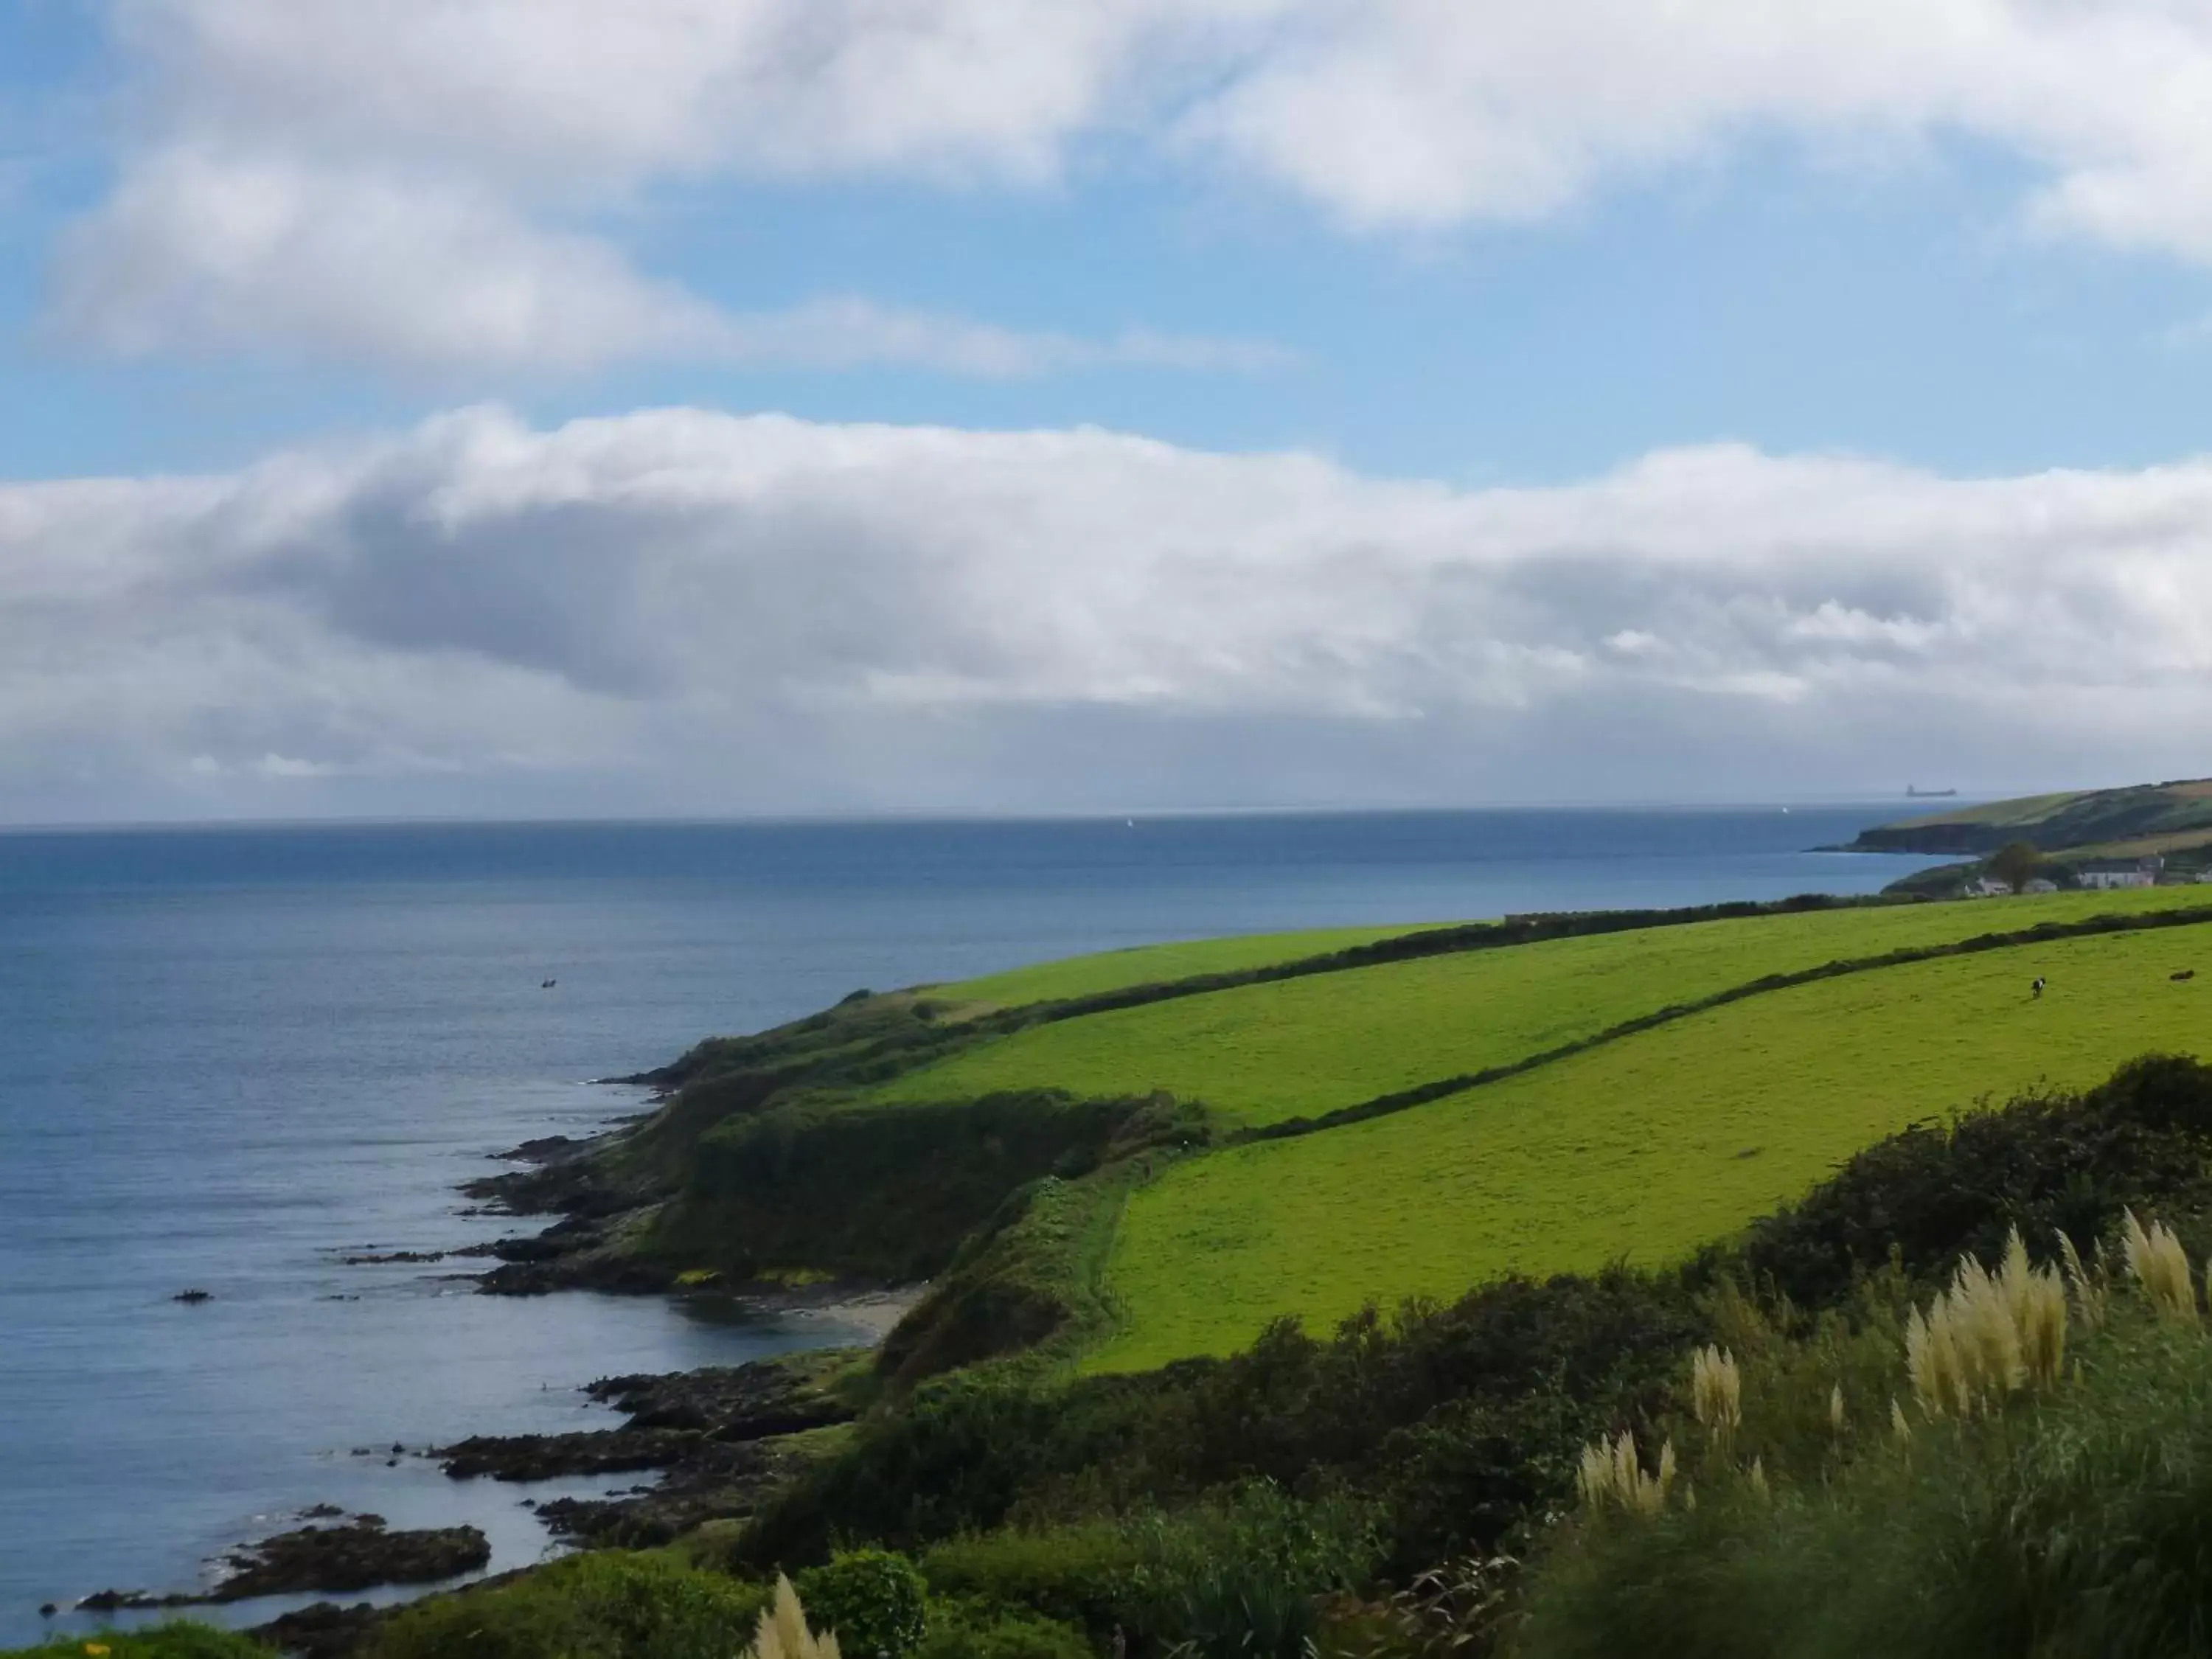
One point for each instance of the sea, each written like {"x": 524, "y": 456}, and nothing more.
{"x": 232, "y": 1058}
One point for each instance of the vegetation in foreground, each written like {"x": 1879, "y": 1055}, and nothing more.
{"x": 1420, "y": 1483}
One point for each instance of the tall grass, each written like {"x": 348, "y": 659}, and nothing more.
{"x": 2020, "y": 1506}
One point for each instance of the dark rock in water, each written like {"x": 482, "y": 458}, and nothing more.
{"x": 115, "y": 1600}
{"x": 544, "y": 1150}
{"x": 47, "y": 1609}
{"x": 729, "y": 1402}
{"x": 718, "y": 1480}
{"x": 353, "y": 1556}
{"x": 323, "y": 1631}
{"x": 389, "y": 1256}
{"x": 321, "y": 1512}
{"x": 549, "y": 1456}
{"x": 193, "y": 1296}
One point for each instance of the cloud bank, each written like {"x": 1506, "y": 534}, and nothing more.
{"x": 425, "y": 182}
{"x": 682, "y": 610}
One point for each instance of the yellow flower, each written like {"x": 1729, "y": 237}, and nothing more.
{"x": 97, "y": 1649}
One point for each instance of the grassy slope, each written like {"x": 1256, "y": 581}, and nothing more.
{"x": 1113, "y": 970}
{"x": 2170, "y": 817}
{"x": 1263, "y": 1053}
{"x": 1642, "y": 1149}
{"x": 2024, "y": 809}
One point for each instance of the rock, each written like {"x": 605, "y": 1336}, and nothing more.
{"x": 115, "y": 1600}
{"x": 322, "y": 1631}
{"x": 550, "y": 1456}
{"x": 390, "y": 1256}
{"x": 194, "y": 1296}
{"x": 718, "y": 1481}
{"x": 47, "y": 1609}
{"x": 727, "y": 1402}
{"x": 361, "y": 1553}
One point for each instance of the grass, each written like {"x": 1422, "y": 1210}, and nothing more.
{"x": 1142, "y": 964}
{"x": 1260, "y": 1054}
{"x": 1639, "y": 1150}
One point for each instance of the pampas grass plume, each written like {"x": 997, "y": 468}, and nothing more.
{"x": 1610, "y": 1473}
{"x": 1987, "y": 1336}
{"x": 2161, "y": 1268}
{"x": 1716, "y": 1389}
{"x": 783, "y": 1633}
{"x": 2089, "y": 1288}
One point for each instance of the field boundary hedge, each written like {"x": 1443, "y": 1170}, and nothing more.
{"x": 1904, "y": 956}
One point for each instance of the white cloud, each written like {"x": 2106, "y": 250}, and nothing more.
{"x": 217, "y": 253}
{"x": 764, "y": 613}
{"x": 451, "y": 144}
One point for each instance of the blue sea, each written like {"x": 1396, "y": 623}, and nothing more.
{"x": 229, "y": 1057}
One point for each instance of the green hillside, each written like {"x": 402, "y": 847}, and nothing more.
{"x": 2167, "y": 818}
{"x": 1260, "y": 1054}
{"x": 1640, "y": 1150}
{"x": 1115, "y": 971}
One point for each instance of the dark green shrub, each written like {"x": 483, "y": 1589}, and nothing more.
{"x": 961, "y": 1629}
{"x": 1080, "y": 1574}
{"x": 2044, "y": 1161}
{"x": 586, "y": 1606}
{"x": 1241, "y": 1577}
{"x": 164, "y": 1642}
{"x": 874, "y": 1600}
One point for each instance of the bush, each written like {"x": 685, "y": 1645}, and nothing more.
{"x": 585, "y": 1606}
{"x": 976, "y": 1630}
{"x": 1241, "y": 1577}
{"x": 164, "y": 1642}
{"x": 874, "y": 1600}
{"x": 2046, "y": 1162}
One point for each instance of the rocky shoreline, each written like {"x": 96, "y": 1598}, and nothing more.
{"x": 717, "y": 1438}
{"x": 715, "y": 1441}
{"x": 349, "y": 1553}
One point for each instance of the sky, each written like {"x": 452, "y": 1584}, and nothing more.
{"x": 525, "y": 408}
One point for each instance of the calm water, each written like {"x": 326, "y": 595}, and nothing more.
{"x": 228, "y": 1057}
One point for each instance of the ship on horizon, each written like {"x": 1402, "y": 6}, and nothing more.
{"x": 1914, "y": 792}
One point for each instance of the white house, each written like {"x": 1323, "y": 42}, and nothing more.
{"x": 2108, "y": 874}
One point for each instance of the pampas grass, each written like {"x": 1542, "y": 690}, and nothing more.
{"x": 1716, "y": 1389}
{"x": 2090, "y": 1289}
{"x": 1610, "y": 1473}
{"x": 2155, "y": 1257}
{"x": 1988, "y": 1335}
{"x": 783, "y": 1633}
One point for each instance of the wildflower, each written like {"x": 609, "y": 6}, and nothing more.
{"x": 98, "y": 1649}
{"x": 1716, "y": 1389}
{"x": 2156, "y": 1259}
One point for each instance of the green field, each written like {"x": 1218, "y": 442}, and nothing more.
{"x": 1260, "y": 1054}
{"x": 1640, "y": 1148}
{"x": 1115, "y": 971}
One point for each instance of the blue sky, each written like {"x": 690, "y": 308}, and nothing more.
{"x": 1486, "y": 261}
